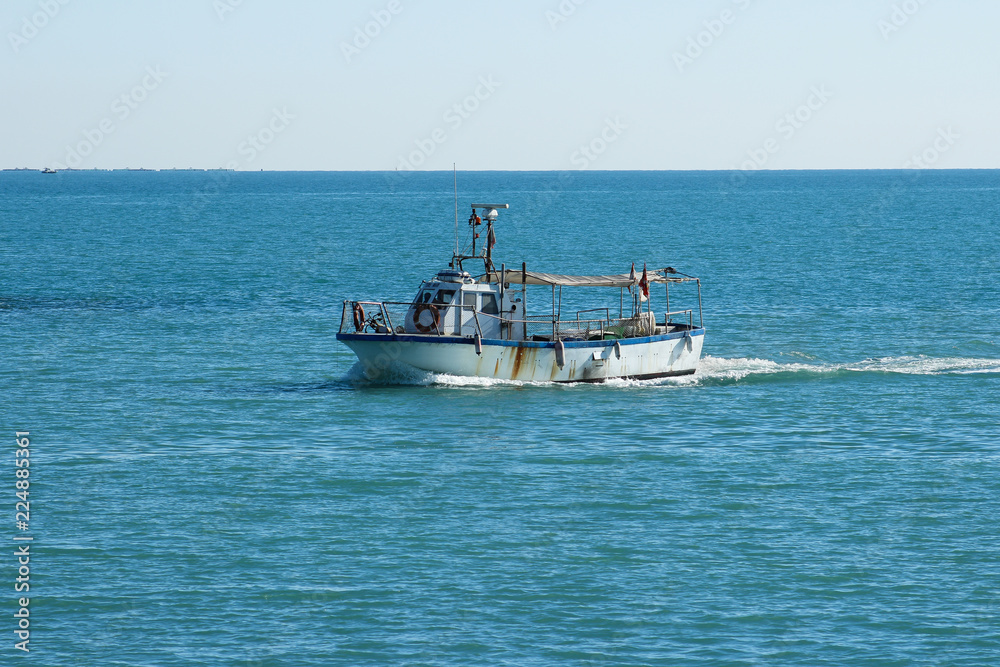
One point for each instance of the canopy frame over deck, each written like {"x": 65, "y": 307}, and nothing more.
{"x": 664, "y": 276}
{"x": 525, "y": 277}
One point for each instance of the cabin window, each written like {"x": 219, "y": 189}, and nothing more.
{"x": 469, "y": 301}
{"x": 444, "y": 297}
{"x": 490, "y": 305}
{"x": 425, "y": 296}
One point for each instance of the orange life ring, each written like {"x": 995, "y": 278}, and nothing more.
{"x": 359, "y": 317}
{"x": 435, "y": 313}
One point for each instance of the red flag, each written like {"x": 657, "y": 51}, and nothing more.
{"x": 644, "y": 283}
{"x": 631, "y": 278}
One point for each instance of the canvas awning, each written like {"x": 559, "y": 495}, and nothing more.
{"x": 615, "y": 280}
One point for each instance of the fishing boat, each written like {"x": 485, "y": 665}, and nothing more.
{"x": 479, "y": 325}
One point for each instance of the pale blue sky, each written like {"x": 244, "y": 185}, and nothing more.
{"x": 607, "y": 77}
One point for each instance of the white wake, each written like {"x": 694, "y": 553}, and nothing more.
{"x": 710, "y": 370}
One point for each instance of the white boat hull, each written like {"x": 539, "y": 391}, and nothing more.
{"x": 583, "y": 361}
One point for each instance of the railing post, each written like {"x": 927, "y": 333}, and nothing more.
{"x": 553, "y": 311}
{"x": 475, "y": 318}
{"x": 701, "y": 313}
{"x": 388, "y": 320}
{"x": 503, "y": 292}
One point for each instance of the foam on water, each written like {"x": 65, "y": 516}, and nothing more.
{"x": 718, "y": 368}
{"x": 735, "y": 369}
{"x": 397, "y": 373}
{"x": 923, "y": 365}
{"x": 739, "y": 368}
{"x": 463, "y": 381}
{"x": 710, "y": 370}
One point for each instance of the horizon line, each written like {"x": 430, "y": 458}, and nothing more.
{"x": 508, "y": 171}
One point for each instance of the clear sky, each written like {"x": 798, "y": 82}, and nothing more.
{"x": 518, "y": 84}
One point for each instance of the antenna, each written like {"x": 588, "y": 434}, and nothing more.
{"x": 454, "y": 166}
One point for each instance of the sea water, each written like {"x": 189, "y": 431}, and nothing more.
{"x": 213, "y": 481}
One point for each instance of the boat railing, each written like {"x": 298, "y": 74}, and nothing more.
{"x": 689, "y": 313}
{"x": 372, "y": 316}
{"x": 566, "y": 329}
{"x": 607, "y": 312}
{"x": 545, "y": 328}
{"x": 389, "y": 317}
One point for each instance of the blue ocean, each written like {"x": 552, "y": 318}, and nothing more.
{"x": 213, "y": 480}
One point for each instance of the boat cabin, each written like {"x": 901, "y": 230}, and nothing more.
{"x": 453, "y": 301}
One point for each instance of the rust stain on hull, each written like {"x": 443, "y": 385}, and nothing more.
{"x": 518, "y": 361}
{"x": 524, "y": 363}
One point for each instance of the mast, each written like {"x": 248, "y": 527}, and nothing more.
{"x": 490, "y": 215}
{"x": 474, "y": 221}
{"x": 490, "y": 240}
